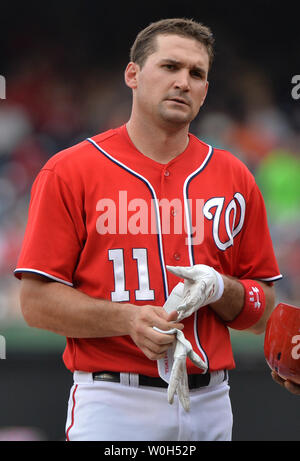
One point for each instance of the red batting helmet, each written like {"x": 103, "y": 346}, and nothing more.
{"x": 282, "y": 342}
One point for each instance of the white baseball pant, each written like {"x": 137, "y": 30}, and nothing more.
{"x": 109, "y": 411}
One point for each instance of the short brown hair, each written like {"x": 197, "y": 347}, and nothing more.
{"x": 144, "y": 44}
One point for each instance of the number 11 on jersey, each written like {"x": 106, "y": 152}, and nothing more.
{"x": 143, "y": 293}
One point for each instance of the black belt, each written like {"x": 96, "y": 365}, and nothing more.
{"x": 195, "y": 381}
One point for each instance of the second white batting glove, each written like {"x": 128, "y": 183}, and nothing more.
{"x": 172, "y": 367}
{"x": 202, "y": 285}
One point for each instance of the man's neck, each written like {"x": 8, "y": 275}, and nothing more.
{"x": 159, "y": 144}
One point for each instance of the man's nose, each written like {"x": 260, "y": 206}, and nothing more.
{"x": 182, "y": 81}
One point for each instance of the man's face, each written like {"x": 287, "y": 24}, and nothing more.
{"x": 172, "y": 84}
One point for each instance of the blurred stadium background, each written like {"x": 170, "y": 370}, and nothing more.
{"x": 63, "y": 63}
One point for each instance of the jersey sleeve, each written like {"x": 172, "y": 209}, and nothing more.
{"x": 256, "y": 257}
{"x": 55, "y": 232}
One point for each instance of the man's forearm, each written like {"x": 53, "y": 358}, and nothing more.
{"x": 69, "y": 312}
{"x": 232, "y": 302}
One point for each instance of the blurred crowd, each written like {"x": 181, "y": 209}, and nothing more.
{"x": 47, "y": 110}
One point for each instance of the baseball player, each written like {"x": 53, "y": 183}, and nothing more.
{"x": 144, "y": 245}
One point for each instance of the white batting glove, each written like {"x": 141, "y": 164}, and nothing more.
{"x": 176, "y": 375}
{"x": 202, "y": 285}
{"x": 172, "y": 368}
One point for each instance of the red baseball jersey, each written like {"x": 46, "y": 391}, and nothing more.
{"x": 106, "y": 220}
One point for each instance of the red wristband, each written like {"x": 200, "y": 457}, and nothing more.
{"x": 254, "y": 306}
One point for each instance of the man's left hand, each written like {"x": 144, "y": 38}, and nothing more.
{"x": 202, "y": 285}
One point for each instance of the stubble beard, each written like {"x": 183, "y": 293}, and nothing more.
{"x": 173, "y": 116}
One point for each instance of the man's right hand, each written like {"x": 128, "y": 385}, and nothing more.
{"x": 152, "y": 343}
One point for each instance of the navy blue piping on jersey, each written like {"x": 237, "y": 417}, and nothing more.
{"x": 149, "y": 186}
{"x": 186, "y": 194}
{"x": 190, "y": 240}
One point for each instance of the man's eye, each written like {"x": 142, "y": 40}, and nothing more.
{"x": 169, "y": 66}
{"x": 197, "y": 74}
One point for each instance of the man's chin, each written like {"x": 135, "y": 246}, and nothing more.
{"x": 177, "y": 118}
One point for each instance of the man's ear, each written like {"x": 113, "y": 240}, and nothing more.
{"x": 204, "y": 97}
{"x": 131, "y": 74}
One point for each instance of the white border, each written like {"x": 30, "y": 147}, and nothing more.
{"x": 35, "y": 271}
